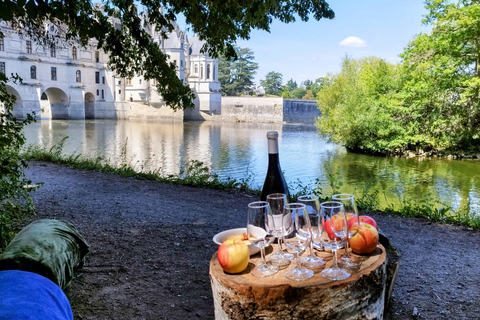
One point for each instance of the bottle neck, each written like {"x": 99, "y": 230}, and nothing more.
{"x": 273, "y": 146}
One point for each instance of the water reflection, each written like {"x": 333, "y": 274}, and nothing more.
{"x": 238, "y": 150}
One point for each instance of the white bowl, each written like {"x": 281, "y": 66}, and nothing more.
{"x": 222, "y": 236}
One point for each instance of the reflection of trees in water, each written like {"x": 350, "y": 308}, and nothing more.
{"x": 444, "y": 182}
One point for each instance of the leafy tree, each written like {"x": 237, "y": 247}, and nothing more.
{"x": 272, "y": 83}
{"x": 309, "y": 95}
{"x": 359, "y": 108}
{"x": 298, "y": 93}
{"x": 236, "y": 75}
{"x": 128, "y": 43}
{"x": 441, "y": 90}
{"x": 318, "y": 85}
{"x": 291, "y": 85}
{"x": 12, "y": 177}
{"x": 307, "y": 84}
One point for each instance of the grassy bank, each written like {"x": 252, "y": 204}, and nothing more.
{"x": 197, "y": 174}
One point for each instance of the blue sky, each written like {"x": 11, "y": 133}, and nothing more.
{"x": 361, "y": 28}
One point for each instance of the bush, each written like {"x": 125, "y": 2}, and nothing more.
{"x": 15, "y": 202}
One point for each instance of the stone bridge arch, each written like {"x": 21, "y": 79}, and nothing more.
{"x": 89, "y": 105}
{"x": 18, "y": 106}
{"x": 55, "y": 104}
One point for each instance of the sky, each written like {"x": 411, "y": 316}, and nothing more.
{"x": 361, "y": 28}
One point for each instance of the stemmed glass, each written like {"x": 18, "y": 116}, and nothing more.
{"x": 347, "y": 261}
{"x": 260, "y": 234}
{"x": 302, "y": 227}
{"x": 277, "y": 203}
{"x": 335, "y": 237}
{"x": 313, "y": 208}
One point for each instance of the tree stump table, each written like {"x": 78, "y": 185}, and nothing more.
{"x": 243, "y": 296}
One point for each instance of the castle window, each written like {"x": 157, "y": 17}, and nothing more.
{"x": 208, "y": 71}
{"x": 78, "y": 77}
{"x": 139, "y": 81}
{"x": 103, "y": 80}
{"x": 201, "y": 71}
{"x": 33, "y": 72}
{"x": 2, "y": 67}
{"x": 98, "y": 92}
{"x": 196, "y": 68}
{"x": 213, "y": 73}
{"x": 53, "y": 72}
{"x": 97, "y": 56}
{"x": 53, "y": 51}
{"x": 97, "y": 77}
{"x": 74, "y": 53}
{"x": 29, "y": 46}
{"x": 103, "y": 94}
{"x": 2, "y": 44}
{"x": 128, "y": 81}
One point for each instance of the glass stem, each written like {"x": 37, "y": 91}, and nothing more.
{"x": 334, "y": 259}
{"x": 311, "y": 247}
{"x": 347, "y": 254}
{"x": 263, "y": 255}
{"x": 298, "y": 261}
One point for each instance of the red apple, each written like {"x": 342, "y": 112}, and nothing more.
{"x": 337, "y": 222}
{"x": 233, "y": 255}
{"x": 366, "y": 239}
{"x": 364, "y": 219}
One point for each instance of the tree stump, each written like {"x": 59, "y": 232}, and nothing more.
{"x": 243, "y": 296}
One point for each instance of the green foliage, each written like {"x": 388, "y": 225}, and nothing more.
{"x": 272, "y": 83}
{"x": 236, "y": 75}
{"x": 290, "y": 86}
{"x": 358, "y": 106}
{"x": 129, "y": 45}
{"x": 442, "y": 79}
{"x": 15, "y": 202}
{"x": 430, "y": 102}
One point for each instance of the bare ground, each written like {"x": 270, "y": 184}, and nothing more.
{"x": 151, "y": 243}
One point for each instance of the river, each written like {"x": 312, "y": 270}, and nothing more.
{"x": 239, "y": 151}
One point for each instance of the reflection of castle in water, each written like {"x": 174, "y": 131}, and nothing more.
{"x": 72, "y": 82}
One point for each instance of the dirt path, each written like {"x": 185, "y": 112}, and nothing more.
{"x": 151, "y": 245}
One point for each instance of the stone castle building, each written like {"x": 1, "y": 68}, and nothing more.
{"x": 73, "y": 82}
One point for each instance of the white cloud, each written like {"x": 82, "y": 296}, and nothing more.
{"x": 353, "y": 42}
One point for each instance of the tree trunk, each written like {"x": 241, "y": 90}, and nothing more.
{"x": 243, "y": 296}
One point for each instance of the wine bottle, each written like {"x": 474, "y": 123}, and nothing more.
{"x": 274, "y": 180}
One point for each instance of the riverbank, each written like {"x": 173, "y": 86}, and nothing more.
{"x": 150, "y": 246}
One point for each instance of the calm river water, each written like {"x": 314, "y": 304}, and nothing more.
{"x": 239, "y": 150}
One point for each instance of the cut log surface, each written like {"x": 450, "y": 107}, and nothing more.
{"x": 244, "y": 296}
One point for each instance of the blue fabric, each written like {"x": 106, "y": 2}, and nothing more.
{"x": 29, "y": 296}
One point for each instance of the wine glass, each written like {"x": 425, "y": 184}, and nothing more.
{"x": 260, "y": 234}
{"x": 333, "y": 236}
{"x": 302, "y": 235}
{"x": 277, "y": 203}
{"x": 313, "y": 207}
{"x": 347, "y": 261}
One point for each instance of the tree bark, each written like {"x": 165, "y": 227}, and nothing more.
{"x": 243, "y": 296}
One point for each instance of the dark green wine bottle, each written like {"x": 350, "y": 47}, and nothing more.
{"x": 274, "y": 180}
